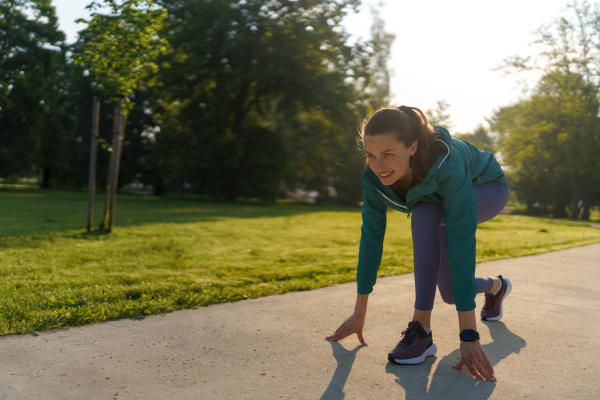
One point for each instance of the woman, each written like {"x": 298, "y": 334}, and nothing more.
{"x": 448, "y": 186}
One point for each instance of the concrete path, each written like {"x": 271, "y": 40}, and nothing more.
{"x": 546, "y": 347}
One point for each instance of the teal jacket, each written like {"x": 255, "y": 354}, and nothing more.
{"x": 449, "y": 181}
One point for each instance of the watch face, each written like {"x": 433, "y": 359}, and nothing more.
{"x": 469, "y": 335}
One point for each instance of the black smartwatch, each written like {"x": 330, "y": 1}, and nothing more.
{"x": 469, "y": 335}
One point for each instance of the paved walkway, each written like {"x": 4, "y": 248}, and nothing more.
{"x": 546, "y": 347}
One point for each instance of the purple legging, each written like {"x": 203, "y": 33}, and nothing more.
{"x": 429, "y": 244}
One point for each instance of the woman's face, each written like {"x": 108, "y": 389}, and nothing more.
{"x": 388, "y": 158}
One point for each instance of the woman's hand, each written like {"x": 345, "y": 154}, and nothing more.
{"x": 354, "y": 324}
{"x": 473, "y": 356}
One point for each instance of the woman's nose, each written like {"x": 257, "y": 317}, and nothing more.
{"x": 379, "y": 163}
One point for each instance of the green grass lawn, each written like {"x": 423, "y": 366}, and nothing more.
{"x": 167, "y": 254}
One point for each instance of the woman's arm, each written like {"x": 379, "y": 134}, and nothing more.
{"x": 372, "y": 234}
{"x": 472, "y": 354}
{"x": 355, "y": 323}
{"x": 369, "y": 258}
{"x": 460, "y": 207}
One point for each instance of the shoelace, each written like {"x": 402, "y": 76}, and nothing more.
{"x": 410, "y": 336}
{"x": 490, "y": 301}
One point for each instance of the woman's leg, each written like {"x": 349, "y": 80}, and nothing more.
{"x": 417, "y": 342}
{"x": 424, "y": 223}
{"x": 484, "y": 284}
{"x": 491, "y": 200}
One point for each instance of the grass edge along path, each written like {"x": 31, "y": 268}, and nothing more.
{"x": 167, "y": 255}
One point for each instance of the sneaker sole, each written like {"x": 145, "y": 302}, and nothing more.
{"x": 417, "y": 360}
{"x": 508, "y": 289}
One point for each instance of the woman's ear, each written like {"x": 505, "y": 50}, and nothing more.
{"x": 413, "y": 148}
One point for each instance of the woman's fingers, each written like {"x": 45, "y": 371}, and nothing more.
{"x": 489, "y": 367}
{"x": 474, "y": 357}
{"x": 472, "y": 370}
{"x": 341, "y": 333}
{"x": 479, "y": 365}
{"x": 339, "y": 336}
{"x": 336, "y": 332}
{"x": 459, "y": 365}
{"x": 477, "y": 368}
{"x": 352, "y": 325}
{"x": 360, "y": 338}
{"x": 334, "y": 336}
{"x": 486, "y": 369}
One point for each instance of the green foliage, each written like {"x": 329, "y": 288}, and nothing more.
{"x": 480, "y": 138}
{"x": 550, "y": 140}
{"x": 440, "y": 116}
{"x": 29, "y": 57}
{"x": 166, "y": 254}
{"x": 234, "y": 99}
{"x": 283, "y": 66}
{"x": 382, "y": 43}
{"x": 60, "y": 143}
{"x": 565, "y": 110}
{"x": 120, "y": 48}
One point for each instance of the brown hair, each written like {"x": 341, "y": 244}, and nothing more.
{"x": 406, "y": 124}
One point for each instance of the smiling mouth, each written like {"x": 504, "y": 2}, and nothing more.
{"x": 386, "y": 175}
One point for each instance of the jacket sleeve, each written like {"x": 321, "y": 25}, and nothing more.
{"x": 460, "y": 208}
{"x": 371, "y": 240}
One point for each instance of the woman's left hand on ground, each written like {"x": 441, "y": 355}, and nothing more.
{"x": 354, "y": 324}
{"x": 474, "y": 357}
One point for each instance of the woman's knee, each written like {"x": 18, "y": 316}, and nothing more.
{"x": 447, "y": 297}
{"x": 491, "y": 200}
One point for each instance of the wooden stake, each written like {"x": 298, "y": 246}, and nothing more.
{"x": 93, "y": 155}
{"x": 118, "y": 151}
{"x": 111, "y": 166}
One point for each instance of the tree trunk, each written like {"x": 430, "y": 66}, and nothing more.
{"x": 158, "y": 188}
{"x": 559, "y": 209}
{"x": 93, "y": 162}
{"x": 575, "y": 196}
{"x": 530, "y": 210}
{"x": 118, "y": 151}
{"x": 46, "y": 178}
{"x": 109, "y": 177}
{"x": 586, "y": 212}
{"x": 587, "y": 187}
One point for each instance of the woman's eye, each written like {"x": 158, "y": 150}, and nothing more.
{"x": 388, "y": 155}
{"x": 370, "y": 156}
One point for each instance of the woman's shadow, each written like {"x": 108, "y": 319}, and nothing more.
{"x": 345, "y": 359}
{"x": 450, "y": 383}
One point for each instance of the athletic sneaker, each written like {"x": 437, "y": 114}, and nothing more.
{"x": 415, "y": 346}
{"x": 492, "y": 309}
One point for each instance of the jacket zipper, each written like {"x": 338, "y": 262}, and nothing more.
{"x": 393, "y": 202}
{"x": 400, "y": 205}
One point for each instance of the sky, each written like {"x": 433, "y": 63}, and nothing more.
{"x": 444, "y": 50}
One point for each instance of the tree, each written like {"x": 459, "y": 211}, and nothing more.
{"x": 545, "y": 139}
{"x": 439, "y": 116}
{"x": 119, "y": 49}
{"x": 29, "y": 57}
{"x": 481, "y": 138}
{"x": 59, "y": 140}
{"x": 380, "y": 73}
{"x": 240, "y": 73}
{"x": 568, "y": 64}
